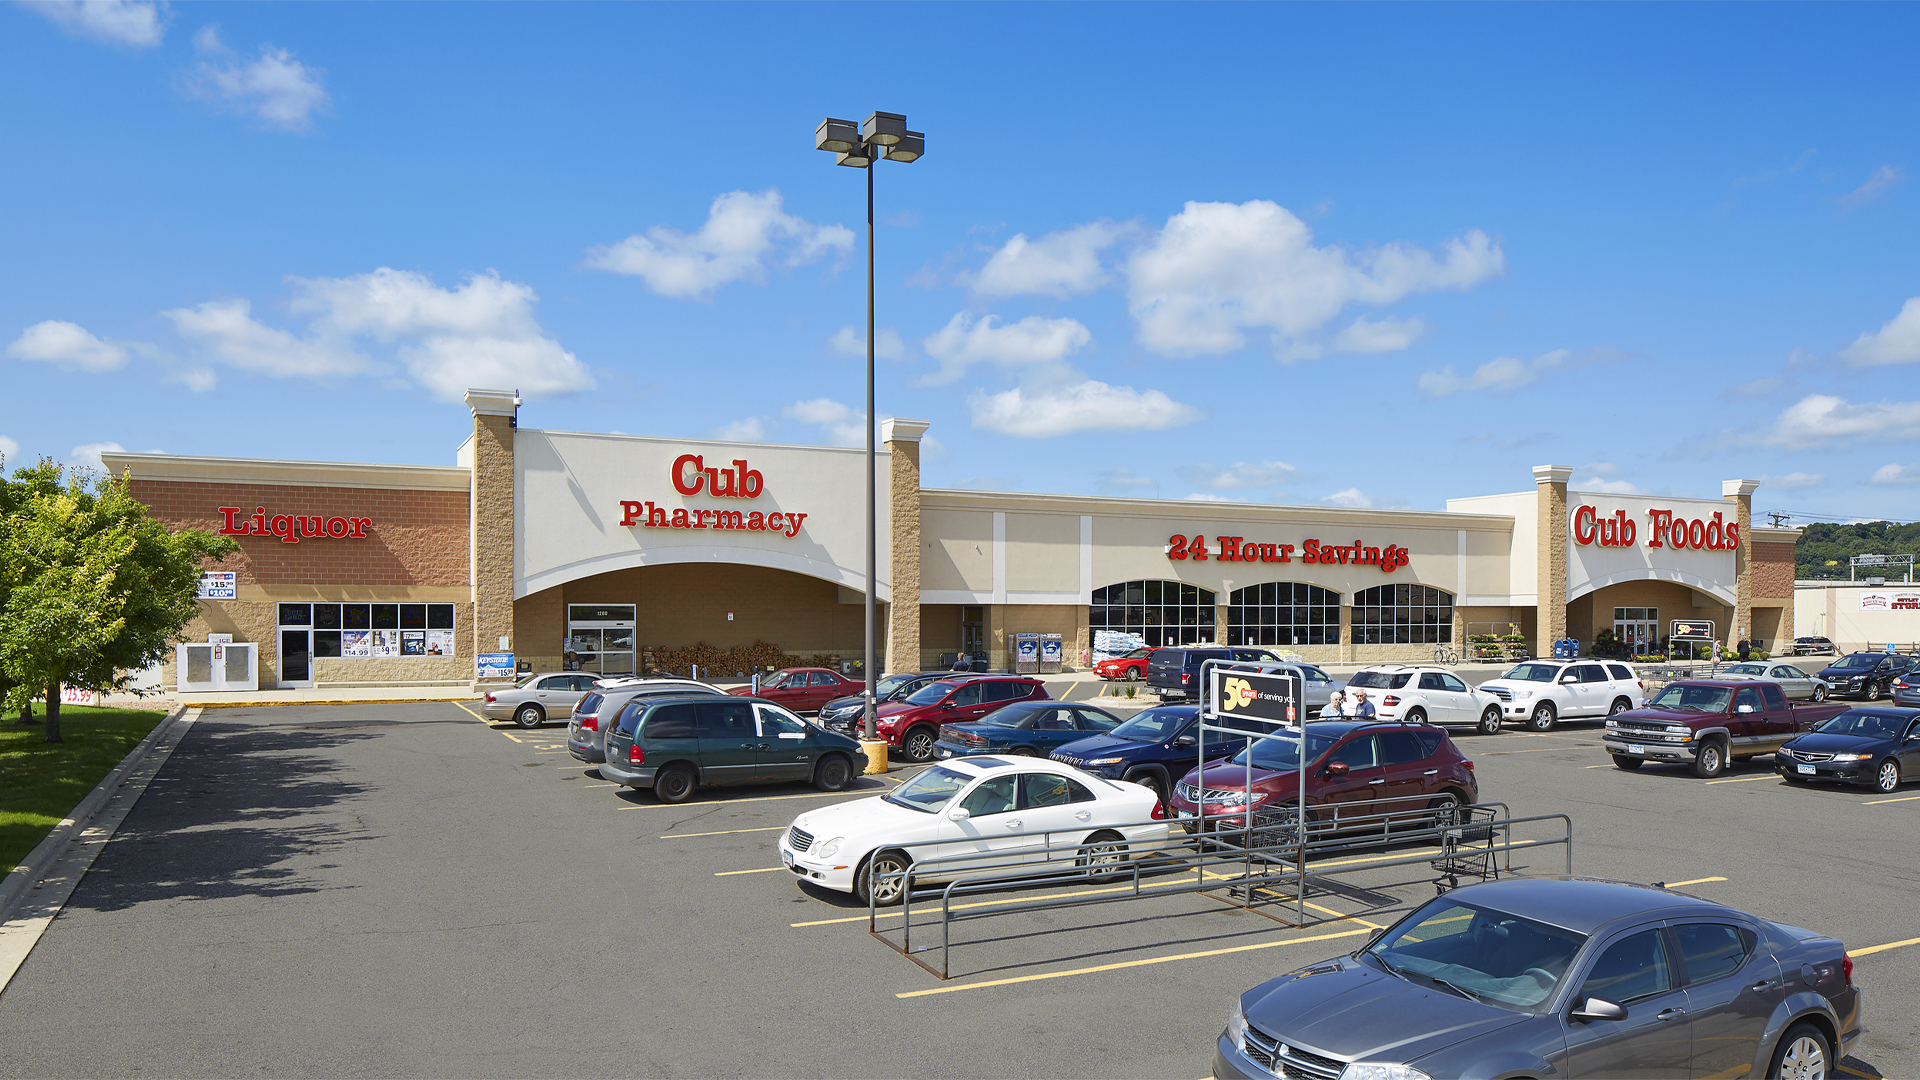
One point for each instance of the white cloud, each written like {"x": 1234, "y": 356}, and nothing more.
{"x": 197, "y": 379}
{"x": 206, "y": 42}
{"x": 746, "y": 429}
{"x": 66, "y": 344}
{"x": 742, "y": 231}
{"x": 1124, "y": 480}
{"x": 1883, "y": 178}
{"x": 1365, "y": 335}
{"x": 1033, "y": 342}
{"x": 1059, "y": 264}
{"x": 1500, "y": 375}
{"x": 1818, "y": 419}
{"x": 87, "y": 455}
{"x": 482, "y": 333}
{"x": 843, "y": 426}
{"x": 1219, "y": 269}
{"x": 1795, "y": 481}
{"x": 1607, "y": 487}
{"x": 1351, "y": 498}
{"x": 9, "y": 450}
{"x": 850, "y": 341}
{"x": 279, "y": 90}
{"x": 1206, "y": 496}
{"x": 118, "y": 22}
{"x": 1896, "y": 342}
{"x": 1891, "y": 475}
{"x": 1042, "y": 411}
{"x": 1240, "y": 476}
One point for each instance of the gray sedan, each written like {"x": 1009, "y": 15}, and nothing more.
{"x": 594, "y": 716}
{"x": 1795, "y": 683}
{"x": 537, "y": 697}
{"x": 1557, "y": 977}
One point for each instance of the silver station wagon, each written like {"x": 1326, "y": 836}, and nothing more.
{"x": 594, "y": 716}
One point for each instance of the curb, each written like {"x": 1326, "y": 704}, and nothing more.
{"x": 327, "y": 701}
{"x": 31, "y": 869}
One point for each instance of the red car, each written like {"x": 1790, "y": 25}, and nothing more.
{"x": 912, "y": 725}
{"x": 803, "y": 689}
{"x": 1354, "y": 769}
{"x": 1131, "y": 665}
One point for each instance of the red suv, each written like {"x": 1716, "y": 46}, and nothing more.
{"x": 1354, "y": 769}
{"x": 912, "y": 725}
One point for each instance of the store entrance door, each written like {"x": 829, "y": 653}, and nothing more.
{"x": 599, "y": 639}
{"x": 296, "y": 658}
{"x": 1637, "y": 628}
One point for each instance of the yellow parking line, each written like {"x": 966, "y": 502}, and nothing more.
{"x": 730, "y": 802}
{"x": 1695, "y": 881}
{"x": 1871, "y": 949}
{"x": 468, "y": 711}
{"x": 1608, "y": 765}
{"x": 762, "y": 870}
{"x": 512, "y": 736}
{"x": 1877, "y": 802}
{"x": 722, "y": 832}
{"x": 1744, "y": 779}
{"x": 1130, "y": 964}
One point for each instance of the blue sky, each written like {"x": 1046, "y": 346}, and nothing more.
{"x": 1359, "y": 254}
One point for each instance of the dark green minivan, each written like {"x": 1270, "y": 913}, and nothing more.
{"x": 675, "y": 744}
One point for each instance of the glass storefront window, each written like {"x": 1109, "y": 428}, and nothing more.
{"x": 1283, "y": 613}
{"x": 1162, "y": 612}
{"x": 1402, "y": 615}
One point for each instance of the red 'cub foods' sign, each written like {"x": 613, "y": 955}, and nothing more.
{"x": 1663, "y": 530}
{"x": 1238, "y": 548}
{"x": 692, "y": 476}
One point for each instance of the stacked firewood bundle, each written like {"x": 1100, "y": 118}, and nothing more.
{"x": 742, "y": 660}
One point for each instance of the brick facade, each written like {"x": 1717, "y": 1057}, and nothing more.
{"x": 1773, "y": 570}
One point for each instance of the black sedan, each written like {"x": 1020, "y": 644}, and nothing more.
{"x": 1556, "y": 977}
{"x": 842, "y": 713}
{"x": 1877, "y": 747}
{"x": 1866, "y": 675}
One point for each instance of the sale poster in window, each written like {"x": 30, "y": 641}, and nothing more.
{"x": 439, "y": 643}
{"x": 356, "y": 643}
{"x": 386, "y": 643}
{"x": 413, "y": 643}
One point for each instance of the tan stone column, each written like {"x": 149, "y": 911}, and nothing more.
{"x": 1740, "y": 494}
{"x": 902, "y": 439}
{"x": 1220, "y": 623}
{"x": 1346, "y": 633}
{"x": 1550, "y": 565}
{"x": 495, "y": 415}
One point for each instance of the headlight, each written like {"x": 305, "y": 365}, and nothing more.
{"x": 1237, "y": 1028}
{"x": 1240, "y": 798}
{"x": 1522, "y": 695}
{"x": 1381, "y": 1070}
{"x": 1679, "y": 729}
{"x": 1105, "y": 761}
{"x": 827, "y": 850}
{"x": 1613, "y": 723}
{"x": 1851, "y": 757}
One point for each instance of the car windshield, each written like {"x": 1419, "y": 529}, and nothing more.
{"x": 1865, "y": 724}
{"x": 1380, "y": 680}
{"x": 890, "y": 685}
{"x": 929, "y": 791}
{"x": 1138, "y": 654}
{"x": 931, "y": 693}
{"x": 1154, "y": 725}
{"x": 1747, "y": 669}
{"x": 1278, "y": 754}
{"x": 1857, "y": 660}
{"x": 1682, "y": 698}
{"x": 525, "y": 682}
{"x": 1474, "y": 952}
{"x": 1534, "y": 673}
{"x": 779, "y": 679}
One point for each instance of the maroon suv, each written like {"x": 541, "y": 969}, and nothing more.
{"x": 912, "y": 725}
{"x": 1355, "y": 769}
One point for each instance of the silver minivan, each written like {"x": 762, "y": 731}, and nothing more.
{"x": 593, "y": 717}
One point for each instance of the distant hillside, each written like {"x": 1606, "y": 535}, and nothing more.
{"x": 1824, "y": 548}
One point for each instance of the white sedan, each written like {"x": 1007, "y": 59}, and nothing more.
{"x": 1028, "y": 810}
{"x": 1795, "y": 683}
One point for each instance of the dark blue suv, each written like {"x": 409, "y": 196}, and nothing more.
{"x": 1151, "y": 749}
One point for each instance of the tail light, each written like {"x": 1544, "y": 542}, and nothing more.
{"x": 1468, "y": 762}
{"x": 1389, "y": 701}
{"x": 1186, "y": 677}
{"x": 1160, "y": 814}
{"x": 489, "y": 699}
{"x": 1846, "y": 967}
{"x": 635, "y": 755}
{"x": 590, "y": 722}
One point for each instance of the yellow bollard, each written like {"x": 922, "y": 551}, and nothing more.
{"x": 876, "y": 751}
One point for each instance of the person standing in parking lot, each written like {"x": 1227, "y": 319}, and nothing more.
{"x": 1362, "y": 708}
{"x": 1334, "y": 708}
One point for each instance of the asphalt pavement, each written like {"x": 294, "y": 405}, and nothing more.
{"x": 389, "y": 890}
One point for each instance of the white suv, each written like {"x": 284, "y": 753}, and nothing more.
{"x": 1427, "y": 695}
{"x": 1544, "y": 691}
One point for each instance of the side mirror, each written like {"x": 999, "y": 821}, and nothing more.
{"x": 948, "y": 705}
{"x": 1743, "y": 708}
{"x": 1189, "y": 740}
{"x": 1598, "y": 1009}
{"x": 1567, "y": 678}
{"x": 1338, "y": 768}
{"x": 959, "y": 813}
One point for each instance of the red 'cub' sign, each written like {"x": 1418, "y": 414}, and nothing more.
{"x": 692, "y": 476}
{"x": 291, "y": 527}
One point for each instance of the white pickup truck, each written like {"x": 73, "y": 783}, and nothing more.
{"x": 1540, "y": 693}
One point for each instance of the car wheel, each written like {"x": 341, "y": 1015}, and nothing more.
{"x": 832, "y": 773}
{"x": 674, "y": 784}
{"x": 1619, "y": 706}
{"x": 1542, "y": 718}
{"x": 1819, "y": 693}
{"x": 1445, "y": 811}
{"x": 1490, "y": 721}
{"x": 1628, "y": 763}
{"x": 1873, "y": 691}
{"x": 1151, "y": 780}
{"x": 1416, "y": 716}
{"x": 918, "y": 745}
{"x": 529, "y": 716}
{"x": 1887, "y": 780}
{"x": 1103, "y": 856}
{"x": 1712, "y": 760}
{"x": 887, "y": 866}
{"x": 1802, "y": 1055}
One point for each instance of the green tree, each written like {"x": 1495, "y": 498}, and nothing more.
{"x": 92, "y": 590}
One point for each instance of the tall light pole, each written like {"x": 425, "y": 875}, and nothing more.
{"x": 883, "y": 135}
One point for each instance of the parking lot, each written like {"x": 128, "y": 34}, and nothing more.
{"x": 407, "y": 889}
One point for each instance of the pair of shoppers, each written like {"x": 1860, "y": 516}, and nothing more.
{"x": 1341, "y": 707}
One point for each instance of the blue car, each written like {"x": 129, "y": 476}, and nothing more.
{"x": 1151, "y": 749}
{"x": 1024, "y": 728}
{"x": 1877, "y": 747}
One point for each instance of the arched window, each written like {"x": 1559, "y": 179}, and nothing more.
{"x": 1283, "y": 613}
{"x": 1162, "y": 612}
{"x": 1402, "y": 615}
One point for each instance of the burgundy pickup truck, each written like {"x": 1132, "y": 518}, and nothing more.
{"x": 1706, "y": 722}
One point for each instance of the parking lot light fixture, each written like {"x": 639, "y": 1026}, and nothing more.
{"x": 883, "y": 134}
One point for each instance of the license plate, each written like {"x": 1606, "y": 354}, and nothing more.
{"x": 1806, "y": 769}
{"x": 788, "y": 859}
{"x": 1183, "y": 813}
{"x": 1636, "y": 749}
{"x": 943, "y": 753}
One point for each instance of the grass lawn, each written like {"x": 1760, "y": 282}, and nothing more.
{"x": 41, "y": 783}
